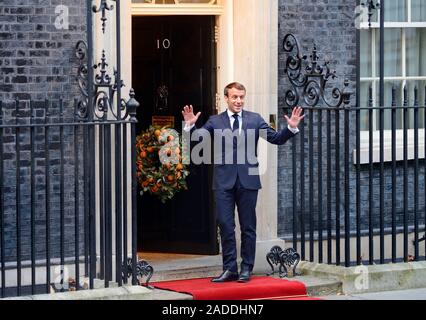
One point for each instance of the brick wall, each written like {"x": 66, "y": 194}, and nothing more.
{"x": 37, "y": 59}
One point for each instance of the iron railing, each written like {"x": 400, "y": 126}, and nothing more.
{"x": 68, "y": 181}
{"x": 49, "y": 237}
{"x": 352, "y": 189}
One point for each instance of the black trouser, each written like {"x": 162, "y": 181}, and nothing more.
{"x": 246, "y": 201}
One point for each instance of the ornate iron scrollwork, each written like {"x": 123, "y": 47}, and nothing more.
{"x": 286, "y": 259}
{"x": 143, "y": 269}
{"x": 309, "y": 78}
{"x": 372, "y": 5}
{"x": 104, "y": 85}
{"x": 103, "y": 101}
{"x": 81, "y": 54}
{"x": 103, "y": 7}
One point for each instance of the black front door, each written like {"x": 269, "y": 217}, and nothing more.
{"x": 176, "y": 54}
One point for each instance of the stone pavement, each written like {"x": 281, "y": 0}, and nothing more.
{"x": 408, "y": 294}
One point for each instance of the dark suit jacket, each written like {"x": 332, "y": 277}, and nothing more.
{"x": 225, "y": 174}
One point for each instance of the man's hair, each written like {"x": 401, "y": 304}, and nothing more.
{"x": 234, "y": 85}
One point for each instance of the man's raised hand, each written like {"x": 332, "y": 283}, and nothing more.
{"x": 296, "y": 117}
{"x": 188, "y": 115}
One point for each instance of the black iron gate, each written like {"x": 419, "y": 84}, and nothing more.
{"x": 67, "y": 181}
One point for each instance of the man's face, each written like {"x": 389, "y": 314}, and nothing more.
{"x": 235, "y": 100}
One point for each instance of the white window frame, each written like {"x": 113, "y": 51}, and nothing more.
{"x": 214, "y": 7}
{"x": 365, "y": 134}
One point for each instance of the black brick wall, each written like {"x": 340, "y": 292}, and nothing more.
{"x": 37, "y": 60}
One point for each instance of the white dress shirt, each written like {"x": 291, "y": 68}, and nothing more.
{"x": 232, "y": 119}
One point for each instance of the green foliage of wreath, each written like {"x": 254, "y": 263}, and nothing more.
{"x": 160, "y": 170}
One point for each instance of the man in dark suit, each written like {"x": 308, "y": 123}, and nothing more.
{"x": 236, "y": 180}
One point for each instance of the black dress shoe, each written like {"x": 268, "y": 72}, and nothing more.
{"x": 226, "y": 276}
{"x": 244, "y": 276}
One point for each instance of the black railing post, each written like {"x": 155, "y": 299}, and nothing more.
{"x": 424, "y": 123}
{"x": 2, "y": 218}
{"x": 394, "y": 184}
{"x": 311, "y": 185}
{"x": 302, "y": 192}
{"x": 76, "y": 200}
{"x": 132, "y": 106}
{"x": 358, "y": 146}
{"x": 329, "y": 192}
{"x": 18, "y": 199}
{"x": 320, "y": 190}
{"x": 33, "y": 200}
{"x": 371, "y": 178}
{"x": 416, "y": 174}
{"x": 47, "y": 190}
{"x": 337, "y": 183}
{"x": 105, "y": 147}
{"x": 118, "y": 164}
{"x": 102, "y": 211}
{"x": 405, "y": 184}
{"x": 295, "y": 206}
{"x": 347, "y": 110}
{"x": 62, "y": 193}
{"x": 381, "y": 121}
{"x": 91, "y": 147}
{"x": 124, "y": 128}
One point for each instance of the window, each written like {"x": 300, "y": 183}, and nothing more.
{"x": 405, "y": 66}
{"x": 211, "y": 2}
{"x": 177, "y": 7}
{"x": 405, "y": 59}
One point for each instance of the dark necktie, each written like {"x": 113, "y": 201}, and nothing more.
{"x": 235, "y": 128}
{"x": 236, "y": 125}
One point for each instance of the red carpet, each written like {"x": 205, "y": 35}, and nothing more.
{"x": 259, "y": 288}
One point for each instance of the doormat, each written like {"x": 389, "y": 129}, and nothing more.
{"x": 258, "y": 288}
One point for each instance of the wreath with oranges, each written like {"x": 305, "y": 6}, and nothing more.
{"x": 160, "y": 170}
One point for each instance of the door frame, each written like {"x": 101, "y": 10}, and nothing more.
{"x": 208, "y": 245}
{"x": 247, "y": 56}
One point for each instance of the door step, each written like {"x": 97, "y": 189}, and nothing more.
{"x": 211, "y": 266}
